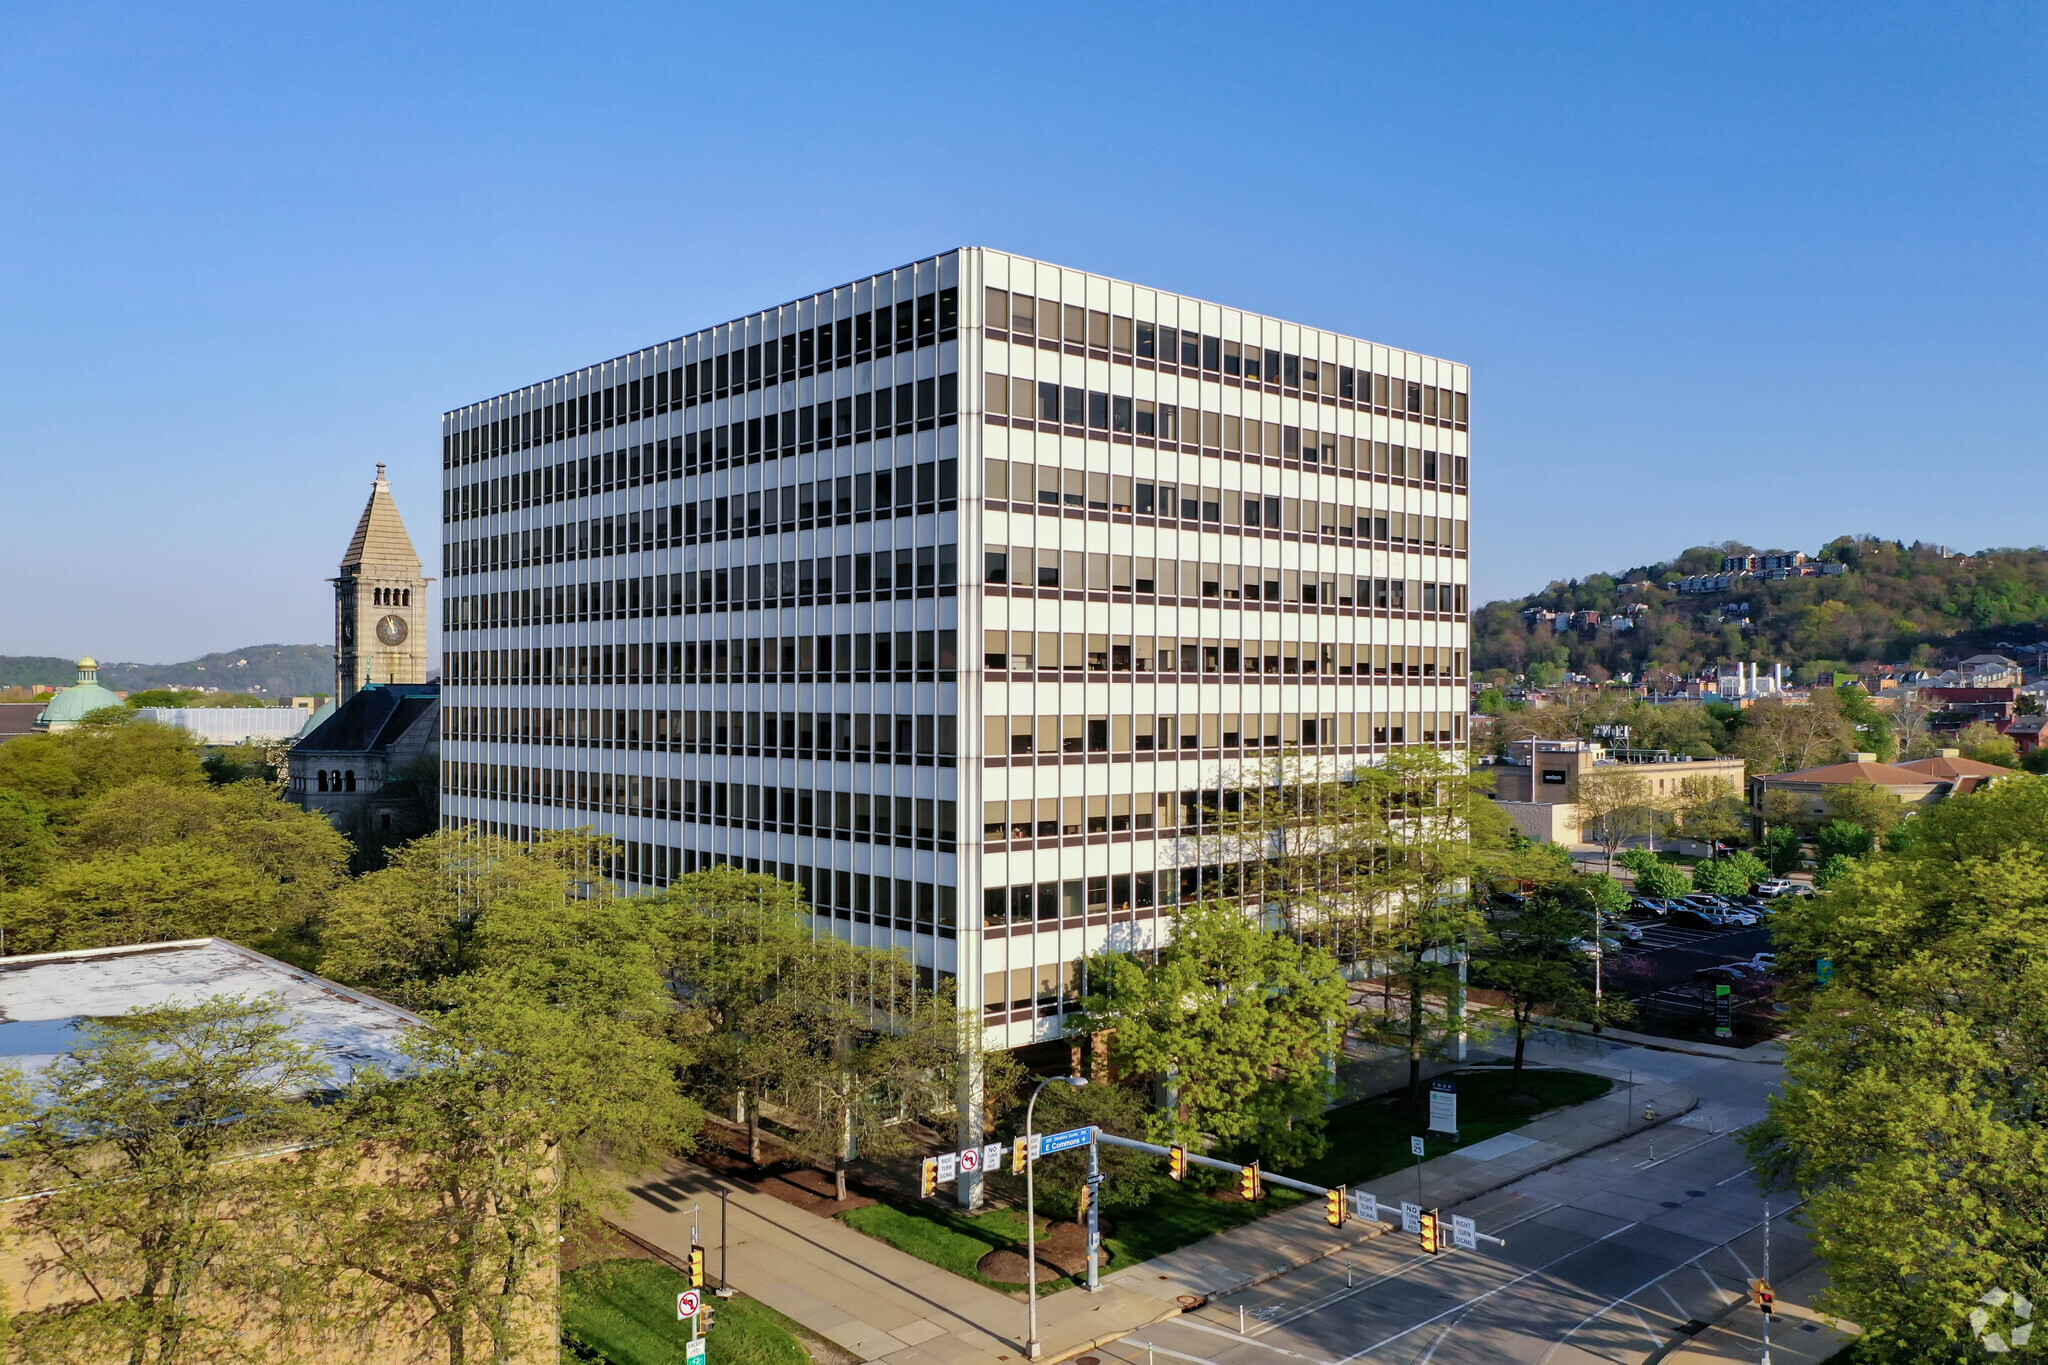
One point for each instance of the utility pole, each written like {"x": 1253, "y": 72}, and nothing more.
{"x": 1770, "y": 1306}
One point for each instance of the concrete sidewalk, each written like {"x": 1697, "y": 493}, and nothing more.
{"x": 882, "y": 1304}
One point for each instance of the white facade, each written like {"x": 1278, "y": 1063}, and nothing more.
{"x": 989, "y": 773}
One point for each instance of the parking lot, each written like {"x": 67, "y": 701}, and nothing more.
{"x": 1658, "y": 972}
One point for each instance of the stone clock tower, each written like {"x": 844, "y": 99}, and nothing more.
{"x": 380, "y": 602}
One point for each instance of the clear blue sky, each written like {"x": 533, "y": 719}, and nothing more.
{"x": 1766, "y": 272}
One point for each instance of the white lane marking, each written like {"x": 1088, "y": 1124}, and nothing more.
{"x": 1225, "y": 1332}
{"x": 1746, "y": 1271}
{"x": 1481, "y": 1298}
{"x": 1644, "y": 1323}
{"x": 1715, "y": 1286}
{"x": 1177, "y": 1355}
{"x": 1676, "y": 1307}
{"x": 1690, "y": 1260}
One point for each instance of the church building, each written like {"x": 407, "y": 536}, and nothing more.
{"x": 371, "y": 763}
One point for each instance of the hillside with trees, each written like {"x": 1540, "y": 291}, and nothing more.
{"x": 268, "y": 670}
{"x": 1891, "y": 603}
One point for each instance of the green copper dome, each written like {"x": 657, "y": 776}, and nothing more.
{"x": 73, "y": 704}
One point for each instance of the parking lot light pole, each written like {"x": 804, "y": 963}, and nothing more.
{"x": 1032, "y": 1350}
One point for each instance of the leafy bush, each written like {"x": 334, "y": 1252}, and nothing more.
{"x": 1842, "y": 839}
{"x": 1735, "y": 875}
{"x": 1832, "y": 869}
{"x": 1783, "y": 851}
{"x": 1610, "y": 895}
{"x": 1663, "y": 880}
{"x": 1636, "y": 859}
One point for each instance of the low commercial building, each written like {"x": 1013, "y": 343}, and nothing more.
{"x": 1912, "y": 786}
{"x": 1538, "y": 781}
{"x": 217, "y": 725}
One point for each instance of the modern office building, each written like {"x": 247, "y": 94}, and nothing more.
{"x": 956, "y": 593}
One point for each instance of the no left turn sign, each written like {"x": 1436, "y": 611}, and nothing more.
{"x": 687, "y": 1304}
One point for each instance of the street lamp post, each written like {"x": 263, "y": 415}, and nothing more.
{"x": 1032, "y": 1350}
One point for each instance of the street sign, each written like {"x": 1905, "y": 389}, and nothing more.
{"x": 693, "y": 1351}
{"x": 1411, "y": 1217}
{"x": 992, "y": 1156}
{"x": 949, "y": 1166}
{"x": 1443, "y": 1107}
{"x": 1724, "y": 1007}
{"x": 970, "y": 1160}
{"x": 687, "y": 1304}
{"x": 1061, "y": 1142}
{"x": 1464, "y": 1234}
{"x": 1415, "y": 1146}
{"x": 1364, "y": 1204}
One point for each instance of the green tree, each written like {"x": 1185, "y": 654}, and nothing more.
{"x": 1874, "y": 732}
{"x": 1779, "y": 738}
{"x": 1842, "y": 839}
{"x": 1134, "y": 1179}
{"x": 512, "y": 1124}
{"x": 148, "y": 896}
{"x": 168, "y": 1247}
{"x": 842, "y": 1039}
{"x": 1533, "y": 959}
{"x": 163, "y": 696}
{"x": 26, "y": 843}
{"x": 1865, "y": 804}
{"x": 1735, "y": 875}
{"x": 1982, "y": 743}
{"x": 1784, "y": 849}
{"x": 1609, "y": 895}
{"x": 62, "y": 768}
{"x": 1912, "y": 1110}
{"x": 1663, "y": 880}
{"x": 1614, "y": 806}
{"x": 1833, "y": 868}
{"x": 1239, "y": 1024}
{"x": 1445, "y": 840}
{"x": 1708, "y": 809}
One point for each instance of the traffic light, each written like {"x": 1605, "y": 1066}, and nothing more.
{"x": 705, "y": 1318}
{"x": 1177, "y": 1163}
{"x": 1087, "y": 1201}
{"x": 1248, "y": 1187}
{"x": 1763, "y": 1296}
{"x": 696, "y": 1267}
{"x": 928, "y": 1178}
{"x": 1335, "y": 1206}
{"x": 1019, "y": 1150}
{"x": 1432, "y": 1242}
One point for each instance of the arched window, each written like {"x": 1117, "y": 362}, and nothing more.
{"x": 405, "y": 597}
{"x": 348, "y": 780}
{"x": 323, "y": 779}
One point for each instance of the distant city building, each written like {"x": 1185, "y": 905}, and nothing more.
{"x": 65, "y": 710}
{"x": 387, "y": 719}
{"x": 380, "y": 602}
{"x": 217, "y": 725}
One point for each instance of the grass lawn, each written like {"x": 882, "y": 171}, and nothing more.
{"x": 947, "y": 1236}
{"x": 623, "y": 1312}
{"x": 1368, "y": 1139}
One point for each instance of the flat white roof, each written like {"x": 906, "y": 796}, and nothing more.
{"x": 45, "y": 996}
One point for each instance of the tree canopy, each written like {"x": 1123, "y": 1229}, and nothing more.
{"x": 1913, "y": 1109}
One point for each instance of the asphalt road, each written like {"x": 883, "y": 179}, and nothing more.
{"x": 1608, "y": 1257}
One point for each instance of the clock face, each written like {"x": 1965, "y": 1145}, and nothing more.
{"x": 391, "y": 630}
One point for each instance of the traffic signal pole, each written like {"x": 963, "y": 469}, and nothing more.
{"x": 1196, "y": 1159}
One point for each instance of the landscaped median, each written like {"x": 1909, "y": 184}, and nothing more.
{"x": 1367, "y": 1139}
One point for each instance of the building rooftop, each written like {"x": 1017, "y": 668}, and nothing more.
{"x": 1862, "y": 768}
{"x": 44, "y": 997}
